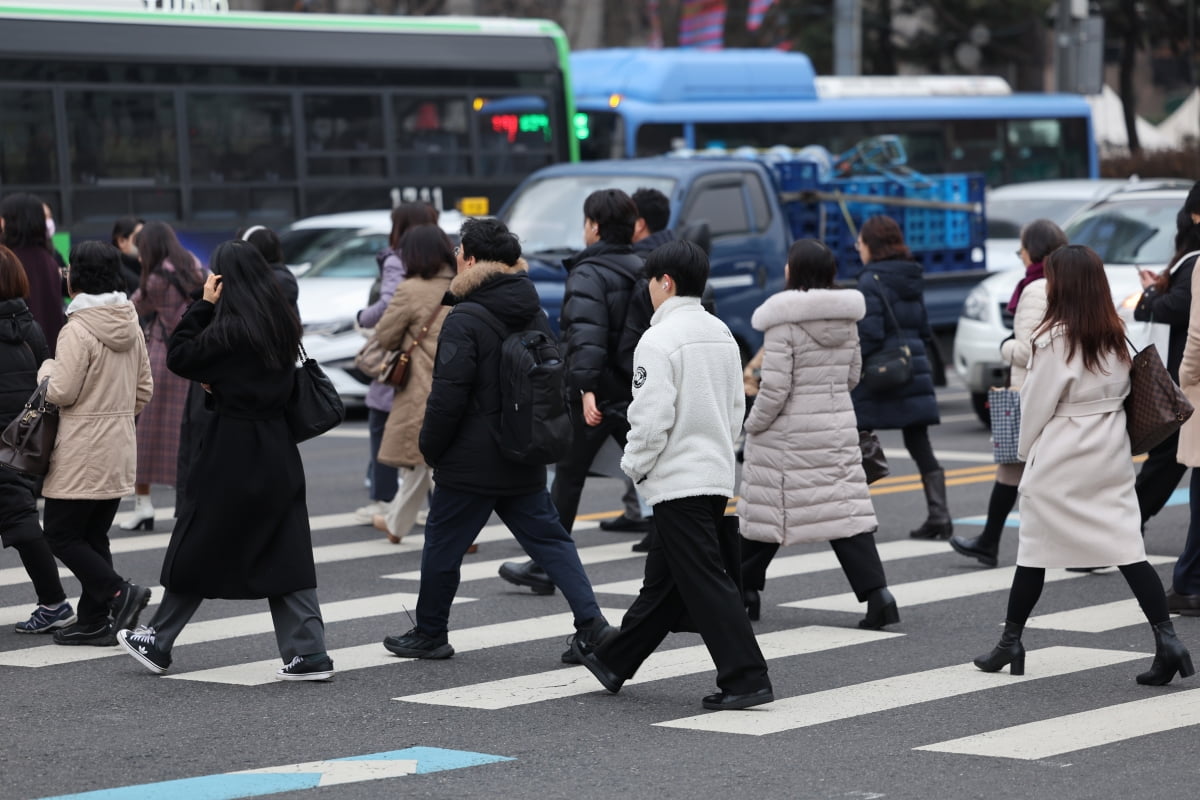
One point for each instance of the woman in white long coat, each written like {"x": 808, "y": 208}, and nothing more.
{"x": 803, "y": 479}
{"x": 1078, "y": 505}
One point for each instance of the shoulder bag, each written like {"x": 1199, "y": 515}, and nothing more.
{"x": 1004, "y": 410}
{"x": 28, "y": 441}
{"x": 874, "y": 462}
{"x": 370, "y": 357}
{"x": 1156, "y": 407}
{"x": 394, "y": 371}
{"x": 314, "y": 406}
{"x": 892, "y": 367}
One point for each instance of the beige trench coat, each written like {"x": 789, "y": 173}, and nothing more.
{"x": 802, "y": 480}
{"x": 410, "y": 309}
{"x": 1078, "y": 505}
{"x": 1189, "y": 380}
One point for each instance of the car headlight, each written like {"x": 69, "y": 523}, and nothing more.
{"x": 328, "y": 327}
{"x": 977, "y": 304}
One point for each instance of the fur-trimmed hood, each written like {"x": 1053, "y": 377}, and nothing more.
{"x": 828, "y": 315}
{"x": 467, "y": 281}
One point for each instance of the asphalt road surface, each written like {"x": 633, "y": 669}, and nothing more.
{"x": 894, "y": 714}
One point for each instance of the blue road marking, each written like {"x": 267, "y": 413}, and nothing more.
{"x": 1179, "y": 497}
{"x": 296, "y": 777}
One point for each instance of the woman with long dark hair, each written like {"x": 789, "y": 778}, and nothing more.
{"x": 22, "y": 350}
{"x": 170, "y": 275}
{"x": 23, "y": 231}
{"x": 124, "y": 238}
{"x": 245, "y": 533}
{"x": 891, "y": 275}
{"x": 1078, "y": 504}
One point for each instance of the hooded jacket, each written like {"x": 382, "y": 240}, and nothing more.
{"x": 803, "y": 480}
{"x": 462, "y": 415}
{"x": 100, "y": 380}
{"x": 22, "y": 350}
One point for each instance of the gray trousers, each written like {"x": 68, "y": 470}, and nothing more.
{"x": 299, "y": 630}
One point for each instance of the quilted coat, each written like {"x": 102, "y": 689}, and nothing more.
{"x": 802, "y": 480}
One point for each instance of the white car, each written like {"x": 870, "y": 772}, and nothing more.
{"x": 335, "y": 257}
{"x": 1129, "y": 229}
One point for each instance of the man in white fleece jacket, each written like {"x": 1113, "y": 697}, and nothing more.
{"x": 687, "y": 409}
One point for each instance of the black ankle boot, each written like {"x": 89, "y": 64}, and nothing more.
{"x": 1170, "y": 656}
{"x": 1009, "y": 651}
{"x": 881, "y": 610}
{"x": 983, "y": 551}
{"x": 753, "y": 603}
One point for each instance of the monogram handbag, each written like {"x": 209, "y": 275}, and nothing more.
{"x": 1004, "y": 406}
{"x": 28, "y": 441}
{"x": 890, "y": 368}
{"x": 874, "y": 462}
{"x": 1156, "y": 407}
{"x": 314, "y": 406}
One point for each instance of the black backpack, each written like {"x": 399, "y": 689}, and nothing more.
{"x": 535, "y": 423}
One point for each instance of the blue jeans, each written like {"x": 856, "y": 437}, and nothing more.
{"x": 455, "y": 519}
{"x": 383, "y": 478}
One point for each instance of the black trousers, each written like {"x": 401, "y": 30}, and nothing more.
{"x": 857, "y": 555}
{"x": 571, "y": 473}
{"x": 684, "y": 572}
{"x": 1159, "y": 477}
{"x": 1185, "y": 579}
{"x": 77, "y": 532}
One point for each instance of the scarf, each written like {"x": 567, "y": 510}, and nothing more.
{"x": 1034, "y": 272}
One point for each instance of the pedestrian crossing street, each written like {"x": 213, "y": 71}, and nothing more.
{"x": 1065, "y": 730}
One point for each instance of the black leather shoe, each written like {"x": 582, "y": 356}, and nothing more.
{"x": 624, "y": 524}
{"x": 1187, "y": 605}
{"x": 527, "y": 574}
{"x": 975, "y": 548}
{"x": 724, "y": 701}
{"x": 584, "y": 653}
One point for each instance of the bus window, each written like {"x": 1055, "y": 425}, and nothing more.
{"x": 516, "y": 141}
{"x": 976, "y": 145}
{"x": 122, "y": 137}
{"x": 27, "y": 152}
{"x": 344, "y": 134}
{"x": 1046, "y": 148}
{"x": 601, "y": 135}
{"x": 722, "y": 205}
{"x": 654, "y": 139}
{"x": 431, "y": 136}
{"x": 240, "y": 137}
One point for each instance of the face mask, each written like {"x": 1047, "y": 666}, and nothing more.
{"x": 50, "y": 228}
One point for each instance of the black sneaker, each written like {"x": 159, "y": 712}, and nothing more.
{"x": 594, "y": 634}
{"x": 96, "y": 634}
{"x": 415, "y": 644}
{"x": 127, "y": 605}
{"x": 140, "y": 644}
{"x": 307, "y": 668}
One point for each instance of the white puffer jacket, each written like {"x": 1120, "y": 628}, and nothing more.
{"x": 803, "y": 480}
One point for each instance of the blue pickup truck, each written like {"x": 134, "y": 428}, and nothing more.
{"x": 753, "y": 209}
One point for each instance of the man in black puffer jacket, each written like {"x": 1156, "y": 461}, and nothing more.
{"x": 472, "y": 477}
{"x": 601, "y": 280}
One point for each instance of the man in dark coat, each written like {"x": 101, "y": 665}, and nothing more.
{"x": 471, "y": 474}
{"x": 601, "y": 280}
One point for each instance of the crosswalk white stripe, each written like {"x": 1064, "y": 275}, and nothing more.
{"x": 1071, "y": 732}
{"x": 896, "y": 692}
{"x": 479, "y": 570}
{"x": 803, "y": 564}
{"x": 950, "y": 587}
{"x": 345, "y": 659}
{"x": 559, "y": 683}
{"x": 216, "y": 629}
{"x": 1092, "y": 619}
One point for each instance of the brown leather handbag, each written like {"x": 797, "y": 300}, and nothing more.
{"x": 28, "y": 441}
{"x": 1156, "y": 407}
{"x": 396, "y": 363}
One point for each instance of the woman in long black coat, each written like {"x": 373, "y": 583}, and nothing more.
{"x": 245, "y": 534}
{"x": 912, "y": 407}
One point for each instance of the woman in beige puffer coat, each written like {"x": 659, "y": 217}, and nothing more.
{"x": 803, "y": 479}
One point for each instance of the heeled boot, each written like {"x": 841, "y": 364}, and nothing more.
{"x": 143, "y": 515}
{"x": 1008, "y": 652}
{"x": 753, "y": 603}
{"x": 881, "y": 610}
{"x": 1170, "y": 656}
{"x": 937, "y": 524}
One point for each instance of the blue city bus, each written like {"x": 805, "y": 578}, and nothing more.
{"x": 634, "y": 102}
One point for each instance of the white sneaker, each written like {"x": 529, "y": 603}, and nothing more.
{"x": 364, "y": 515}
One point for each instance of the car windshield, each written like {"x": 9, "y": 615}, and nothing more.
{"x": 353, "y": 257}
{"x": 1007, "y": 215}
{"x": 1132, "y": 231}
{"x": 548, "y": 214}
{"x": 305, "y": 245}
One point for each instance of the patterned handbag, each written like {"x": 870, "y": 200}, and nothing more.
{"x": 1004, "y": 406}
{"x": 1156, "y": 407}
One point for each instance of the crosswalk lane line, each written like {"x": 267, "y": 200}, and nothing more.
{"x": 806, "y": 563}
{"x": 950, "y": 587}
{"x": 479, "y": 570}
{"x": 895, "y": 692}
{"x": 1071, "y": 732}
{"x": 346, "y": 659}
{"x": 560, "y": 683}
{"x": 1092, "y": 619}
{"x": 216, "y": 629}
